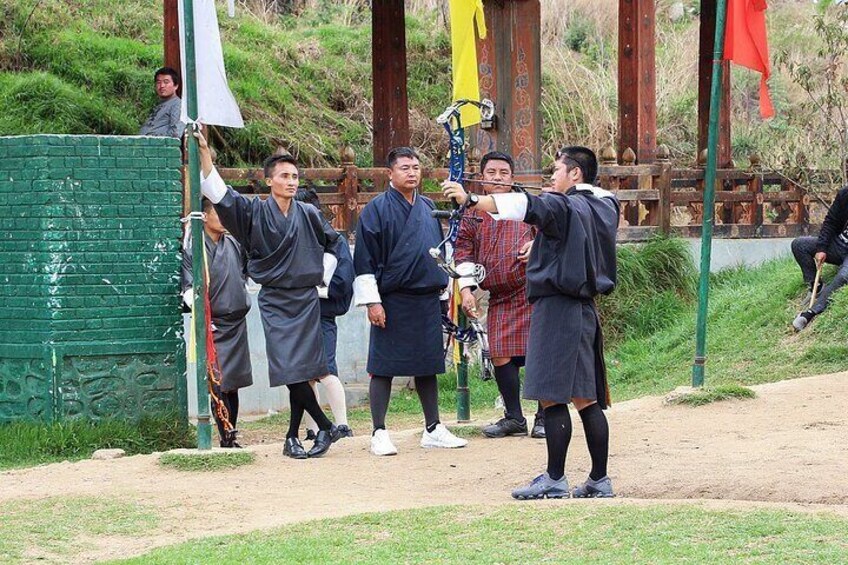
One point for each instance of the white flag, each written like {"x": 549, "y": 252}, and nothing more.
{"x": 216, "y": 105}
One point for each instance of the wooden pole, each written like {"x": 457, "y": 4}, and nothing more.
{"x": 388, "y": 69}
{"x": 705, "y": 70}
{"x": 637, "y": 98}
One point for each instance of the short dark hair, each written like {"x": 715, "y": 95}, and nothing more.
{"x": 206, "y": 204}
{"x": 496, "y": 156}
{"x": 399, "y": 152}
{"x": 583, "y": 157}
{"x": 175, "y": 76}
{"x": 271, "y": 163}
{"x": 308, "y": 196}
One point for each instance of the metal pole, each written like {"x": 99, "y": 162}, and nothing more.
{"x": 204, "y": 429}
{"x": 463, "y": 395}
{"x": 709, "y": 197}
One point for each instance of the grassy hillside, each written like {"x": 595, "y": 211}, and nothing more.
{"x": 302, "y": 75}
{"x": 749, "y": 337}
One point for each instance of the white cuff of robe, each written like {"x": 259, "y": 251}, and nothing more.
{"x": 330, "y": 264}
{"x": 365, "y": 290}
{"x": 445, "y": 295}
{"x": 466, "y": 270}
{"x": 511, "y": 206}
{"x": 213, "y": 186}
{"x": 323, "y": 291}
{"x": 188, "y": 297}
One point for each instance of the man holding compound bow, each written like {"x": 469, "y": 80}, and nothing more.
{"x": 502, "y": 248}
{"x": 572, "y": 261}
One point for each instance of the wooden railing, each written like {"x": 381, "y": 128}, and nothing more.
{"x": 655, "y": 198}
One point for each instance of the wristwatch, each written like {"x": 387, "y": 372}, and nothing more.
{"x": 472, "y": 201}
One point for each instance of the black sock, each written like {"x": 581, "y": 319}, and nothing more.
{"x": 509, "y": 386}
{"x": 306, "y": 397}
{"x": 231, "y": 399}
{"x": 557, "y": 437}
{"x": 379, "y": 394}
{"x": 596, "y": 429}
{"x": 428, "y": 393}
{"x": 296, "y": 414}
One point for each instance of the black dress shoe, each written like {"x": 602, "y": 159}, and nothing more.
{"x": 538, "y": 428}
{"x": 323, "y": 441}
{"x": 294, "y": 449}
{"x": 310, "y": 435}
{"x": 229, "y": 440}
{"x": 506, "y": 427}
{"x": 343, "y": 431}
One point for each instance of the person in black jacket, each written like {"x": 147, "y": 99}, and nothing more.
{"x": 831, "y": 246}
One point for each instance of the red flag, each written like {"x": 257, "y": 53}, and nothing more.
{"x": 745, "y": 43}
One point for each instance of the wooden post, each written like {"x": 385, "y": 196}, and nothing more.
{"x": 705, "y": 66}
{"x": 664, "y": 186}
{"x": 172, "y": 38}
{"x": 510, "y": 67}
{"x": 637, "y": 98}
{"x": 350, "y": 187}
{"x": 388, "y": 71}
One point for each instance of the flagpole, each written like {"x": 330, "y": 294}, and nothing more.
{"x": 709, "y": 197}
{"x": 204, "y": 429}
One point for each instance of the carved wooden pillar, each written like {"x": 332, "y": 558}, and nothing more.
{"x": 510, "y": 67}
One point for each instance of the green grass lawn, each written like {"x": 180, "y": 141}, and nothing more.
{"x": 534, "y": 533}
{"x": 23, "y": 444}
{"x": 56, "y": 528}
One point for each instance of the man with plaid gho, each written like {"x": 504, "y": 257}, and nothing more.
{"x": 502, "y": 248}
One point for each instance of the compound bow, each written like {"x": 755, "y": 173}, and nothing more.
{"x": 443, "y": 253}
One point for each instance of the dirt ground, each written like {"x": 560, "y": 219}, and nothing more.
{"x": 785, "y": 448}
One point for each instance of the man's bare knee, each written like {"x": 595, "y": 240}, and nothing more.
{"x": 581, "y": 403}
{"x": 500, "y": 361}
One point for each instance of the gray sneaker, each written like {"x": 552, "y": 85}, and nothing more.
{"x": 543, "y": 487}
{"x": 602, "y": 488}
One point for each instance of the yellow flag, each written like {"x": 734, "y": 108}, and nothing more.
{"x": 463, "y": 15}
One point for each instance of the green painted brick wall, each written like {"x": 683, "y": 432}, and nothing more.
{"x": 89, "y": 262}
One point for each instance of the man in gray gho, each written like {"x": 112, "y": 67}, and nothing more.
{"x": 164, "y": 119}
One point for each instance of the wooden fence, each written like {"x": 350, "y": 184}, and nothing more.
{"x": 655, "y": 198}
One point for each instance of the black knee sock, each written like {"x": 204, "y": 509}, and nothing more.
{"x": 379, "y": 393}
{"x": 231, "y": 399}
{"x": 509, "y": 386}
{"x": 428, "y": 393}
{"x": 596, "y": 429}
{"x": 557, "y": 437}
{"x": 306, "y": 398}
{"x": 296, "y": 413}
{"x": 540, "y": 412}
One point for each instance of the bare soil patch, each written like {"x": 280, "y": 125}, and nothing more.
{"x": 784, "y": 448}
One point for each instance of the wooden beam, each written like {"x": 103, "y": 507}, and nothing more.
{"x": 510, "y": 67}
{"x": 388, "y": 70}
{"x": 637, "y": 98}
{"x": 705, "y": 70}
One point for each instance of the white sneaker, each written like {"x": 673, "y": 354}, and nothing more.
{"x": 381, "y": 443}
{"x": 441, "y": 437}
